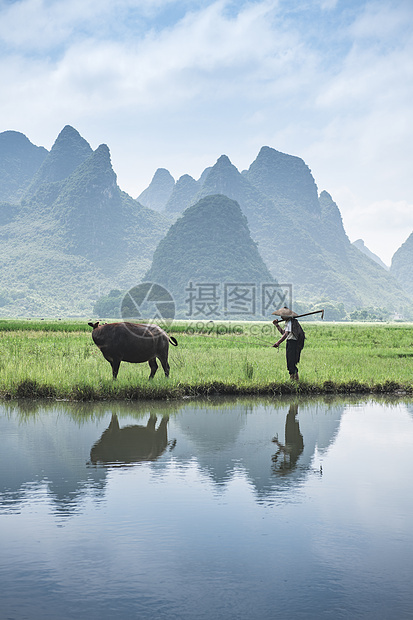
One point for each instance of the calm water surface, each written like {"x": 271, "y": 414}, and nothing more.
{"x": 206, "y": 510}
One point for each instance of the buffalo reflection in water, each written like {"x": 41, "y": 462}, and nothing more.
{"x": 131, "y": 444}
{"x": 293, "y": 446}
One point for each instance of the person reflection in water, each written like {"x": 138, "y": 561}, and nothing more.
{"x": 293, "y": 446}
{"x": 131, "y": 444}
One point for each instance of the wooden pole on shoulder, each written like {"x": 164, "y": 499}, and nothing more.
{"x": 306, "y": 314}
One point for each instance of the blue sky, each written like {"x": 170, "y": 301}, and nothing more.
{"x": 177, "y": 84}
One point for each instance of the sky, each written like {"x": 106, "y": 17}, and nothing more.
{"x": 175, "y": 85}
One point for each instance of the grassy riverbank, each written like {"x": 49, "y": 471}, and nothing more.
{"x": 58, "y": 359}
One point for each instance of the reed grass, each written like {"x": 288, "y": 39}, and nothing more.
{"x": 58, "y": 359}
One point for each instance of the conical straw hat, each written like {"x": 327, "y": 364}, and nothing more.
{"x": 285, "y": 313}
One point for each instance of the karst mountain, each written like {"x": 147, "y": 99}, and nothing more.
{"x": 208, "y": 256}
{"x": 69, "y": 234}
{"x": 300, "y": 233}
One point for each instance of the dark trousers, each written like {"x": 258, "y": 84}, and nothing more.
{"x": 293, "y": 356}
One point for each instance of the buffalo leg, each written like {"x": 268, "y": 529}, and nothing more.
{"x": 165, "y": 365}
{"x": 154, "y": 367}
{"x": 151, "y": 422}
{"x": 115, "y": 367}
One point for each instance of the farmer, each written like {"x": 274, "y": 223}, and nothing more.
{"x": 294, "y": 334}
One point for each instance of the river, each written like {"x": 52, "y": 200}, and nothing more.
{"x": 214, "y": 509}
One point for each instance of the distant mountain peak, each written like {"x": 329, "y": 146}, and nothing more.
{"x": 330, "y": 212}
{"x": 162, "y": 173}
{"x": 360, "y": 245}
{"x": 19, "y": 162}
{"x": 183, "y": 194}
{"x": 210, "y": 242}
{"x": 224, "y": 160}
{"x": 159, "y": 191}
{"x": 103, "y": 152}
{"x": 10, "y": 141}
{"x": 186, "y": 178}
{"x": 67, "y": 153}
{"x": 270, "y": 152}
{"x": 68, "y": 130}
{"x": 69, "y": 139}
{"x": 401, "y": 264}
{"x": 223, "y": 165}
{"x": 223, "y": 169}
{"x": 285, "y": 178}
{"x": 97, "y": 166}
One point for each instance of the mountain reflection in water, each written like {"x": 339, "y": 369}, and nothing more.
{"x": 206, "y": 509}
{"x": 62, "y": 447}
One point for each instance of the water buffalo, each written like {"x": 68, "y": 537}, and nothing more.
{"x": 133, "y": 342}
{"x": 131, "y": 444}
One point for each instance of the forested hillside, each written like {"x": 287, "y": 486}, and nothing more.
{"x": 74, "y": 234}
{"x": 402, "y": 265}
{"x": 69, "y": 235}
{"x": 209, "y": 247}
{"x": 360, "y": 245}
{"x": 19, "y": 161}
{"x": 300, "y": 233}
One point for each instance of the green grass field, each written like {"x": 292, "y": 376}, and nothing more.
{"x": 58, "y": 359}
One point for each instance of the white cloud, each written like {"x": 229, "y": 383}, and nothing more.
{"x": 208, "y": 54}
{"x": 383, "y": 21}
{"x": 38, "y": 25}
